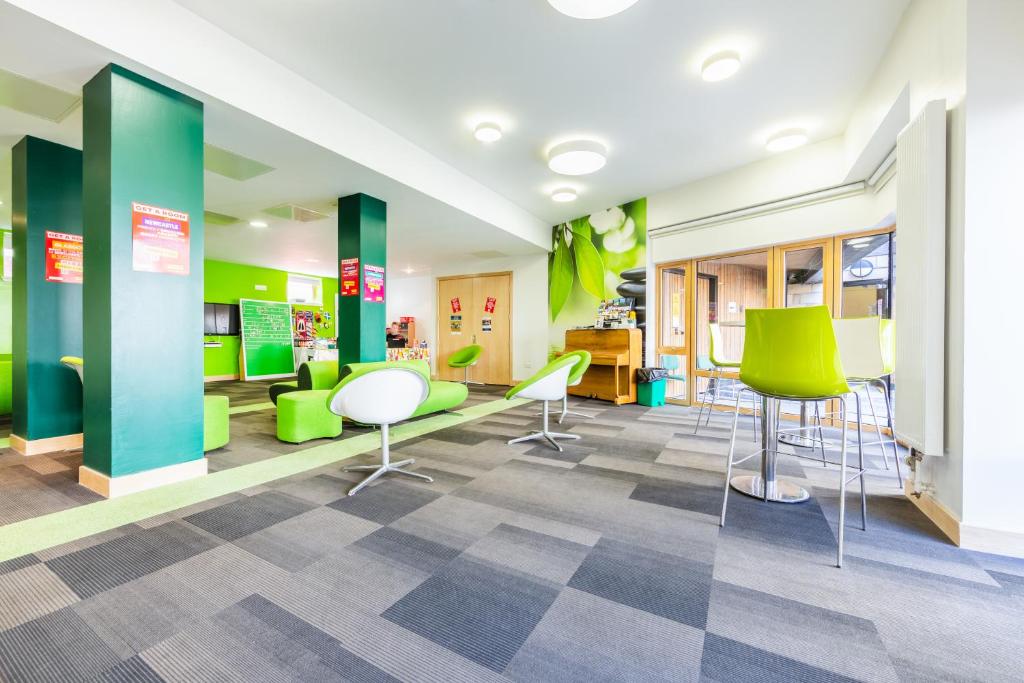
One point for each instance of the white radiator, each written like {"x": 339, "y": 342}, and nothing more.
{"x": 920, "y": 296}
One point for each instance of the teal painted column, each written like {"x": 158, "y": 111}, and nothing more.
{"x": 143, "y": 290}
{"x": 362, "y": 253}
{"x": 46, "y": 318}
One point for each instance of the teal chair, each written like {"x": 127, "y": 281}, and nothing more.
{"x": 466, "y": 357}
{"x": 790, "y": 354}
{"x": 549, "y": 384}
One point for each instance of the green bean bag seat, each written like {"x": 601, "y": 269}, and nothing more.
{"x": 314, "y": 374}
{"x": 215, "y": 422}
{"x": 466, "y": 357}
{"x": 304, "y": 415}
{"x": 442, "y": 396}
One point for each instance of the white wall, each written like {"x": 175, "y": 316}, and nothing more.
{"x": 993, "y": 245}
{"x": 418, "y": 296}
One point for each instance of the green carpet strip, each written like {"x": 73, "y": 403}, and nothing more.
{"x": 5, "y": 442}
{"x": 39, "y": 533}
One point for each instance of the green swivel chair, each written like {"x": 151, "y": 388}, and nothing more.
{"x": 791, "y": 354}
{"x": 381, "y": 396}
{"x": 549, "y": 384}
{"x": 718, "y": 365}
{"x": 466, "y": 357}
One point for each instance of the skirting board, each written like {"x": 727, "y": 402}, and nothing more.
{"x": 219, "y": 378}
{"x": 51, "y": 445}
{"x": 113, "y": 487}
{"x": 981, "y": 539}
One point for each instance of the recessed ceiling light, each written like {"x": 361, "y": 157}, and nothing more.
{"x": 591, "y": 9}
{"x": 487, "y": 132}
{"x": 312, "y": 260}
{"x": 577, "y": 157}
{"x": 720, "y": 66}
{"x": 258, "y": 224}
{"x": 408, "y": 271}
{"x": 786, "y": 140}
{"x": 564, "y": 194}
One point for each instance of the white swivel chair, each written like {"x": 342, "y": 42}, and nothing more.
{"x": 549, "y": 384}
{"x": 380, "y": 396}
{"x": 868, "y": 353}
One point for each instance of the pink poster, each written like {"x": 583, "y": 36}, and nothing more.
{"x": 373, "y": 284}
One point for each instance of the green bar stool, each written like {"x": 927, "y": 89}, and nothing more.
{"x": 466, "y": 357}
{"x": 380, "y": 395}
{"x": 549, "y": 384}
{"x": 718, "y": 367}
{"x": 791, "y": 354}
{"x": 868, "y": 349}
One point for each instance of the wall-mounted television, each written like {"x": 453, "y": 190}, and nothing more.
{"x": 220, "y": 319}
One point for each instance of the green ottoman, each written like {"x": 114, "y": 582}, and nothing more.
{"x": 215, "y": 422}
{"x": 303, "y": 415}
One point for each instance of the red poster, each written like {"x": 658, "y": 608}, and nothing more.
{"x": 350, "y": 277}
{"x": 63, "y": 257}
{"x": 456, "y": 305}
{"x": 489, "y": 306}
{"x": 373, "y": 284}
{"x": 159, "y": 240}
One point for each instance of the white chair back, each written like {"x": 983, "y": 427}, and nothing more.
{"x": 383, "y": 396}
{"x": 550, "y": 388}
{"x": 860, "y": 347}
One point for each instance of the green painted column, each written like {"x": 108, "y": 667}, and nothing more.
{"x": 143, "y": 153}
{"x": 46, "y": 315}
{"x": 362, "y": 313}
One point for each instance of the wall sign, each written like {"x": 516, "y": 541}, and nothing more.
{"x": 63, "y": 257}
{"x": 485, "y": 324}
{"x": 350, "y": 277}
{"x": 456, "y": 305}
{"x": 373, "y": 284}
{"x": 160, "y": 240}
{"x": 455, "y": 323}
{"x": 489, "y": 306}
{"x": 266, "y": 339}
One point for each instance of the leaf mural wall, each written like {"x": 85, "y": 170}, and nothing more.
{"x": 592, "y": 258}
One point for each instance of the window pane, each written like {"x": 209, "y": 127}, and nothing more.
{"x": 726, "y": 288}
{"x": 868, "y": 269}
{"x": 805, "y": 281}
{"x": 675, "y": 388}
{"x": 673, "y": 307}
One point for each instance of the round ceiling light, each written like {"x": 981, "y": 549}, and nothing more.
{"x": 577, "y": 157}
{"x": 258, "y": 224}
{"x": 564, "y": 194}
{"x": 591, "y": 9}
{"x": 786, "y": 140}
{"x": 487, "y": 132}
{"x": 720, "y": 66}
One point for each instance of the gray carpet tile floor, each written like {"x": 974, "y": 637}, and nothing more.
{"x": 603, "y": 562}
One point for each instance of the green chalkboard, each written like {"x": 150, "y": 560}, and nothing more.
{"x": 266, "y": 339}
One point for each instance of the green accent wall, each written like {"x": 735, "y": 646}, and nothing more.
{"x": 46, "y": 317}
{"x": 142, "y": 142}
{"x": 362, "y": 234}
{"x": 226, "y": 283}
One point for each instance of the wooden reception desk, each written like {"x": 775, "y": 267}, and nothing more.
{"x": 615, "y": 358}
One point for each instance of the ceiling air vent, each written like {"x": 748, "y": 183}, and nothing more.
{"x": 294, "y": 212}
{"x": 35, "y": 98}
{"x": 231, "y": 165}
{"x": 214, "y": 218}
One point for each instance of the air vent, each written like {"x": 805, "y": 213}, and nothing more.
{"x": 214, "y": 218}
{"x": 293, "y": 212}
{"x": 35, "y": 98}
{"x": 231, "y": 165}
{"x": 488, "y": 254}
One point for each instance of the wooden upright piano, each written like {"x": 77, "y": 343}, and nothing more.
{"x": 615, "y": 356}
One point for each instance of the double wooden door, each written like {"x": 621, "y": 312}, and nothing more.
{"x": 476, "y": 309}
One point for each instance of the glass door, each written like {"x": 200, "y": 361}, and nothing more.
{"x": 673, "y": 310}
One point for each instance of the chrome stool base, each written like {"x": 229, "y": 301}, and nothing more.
{"x": 381, "y": 470}
{"x": 779, "y": 491}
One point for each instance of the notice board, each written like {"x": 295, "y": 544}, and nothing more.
{"x": 266, "y": 339}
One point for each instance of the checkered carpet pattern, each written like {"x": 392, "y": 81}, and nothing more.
{"x": 602, "y": 562}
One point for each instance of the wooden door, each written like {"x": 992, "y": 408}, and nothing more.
{"x": 475, "y": 323}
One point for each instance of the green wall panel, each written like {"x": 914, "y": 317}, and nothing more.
{"x": 362, "y": 234}
{"x": 46, "y": 317}
{"x": 143, "y": 142}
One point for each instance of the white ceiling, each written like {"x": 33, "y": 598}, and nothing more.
{"x": 430, "y": 69}
{"x": 421, "y": 230}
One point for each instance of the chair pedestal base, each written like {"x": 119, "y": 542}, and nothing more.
{"x": 779, "y": 491}
{"x": 544, "y": 433}
{"x": 380, "y": 470}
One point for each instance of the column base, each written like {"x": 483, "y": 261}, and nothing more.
{"x": 68, "y": 442}
{"x": 113, "y": 487}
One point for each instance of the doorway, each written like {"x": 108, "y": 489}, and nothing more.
{"x": 476, "y": 309}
